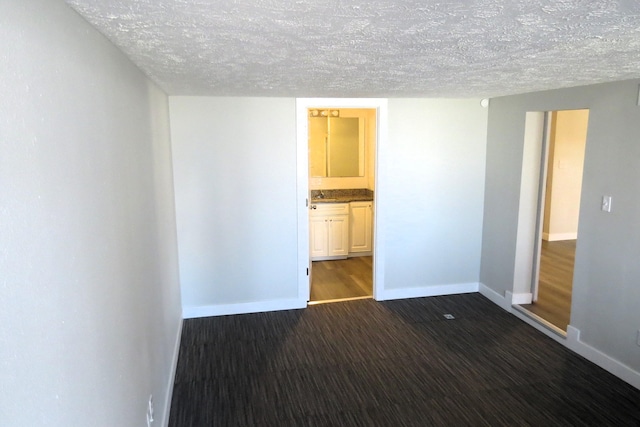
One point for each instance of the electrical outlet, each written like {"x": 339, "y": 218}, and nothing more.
{"x": 150, "y": 411}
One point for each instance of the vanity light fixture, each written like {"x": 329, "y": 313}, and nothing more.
{"x": 324, "y": 113}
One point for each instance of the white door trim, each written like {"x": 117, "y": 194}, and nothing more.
{"x": 542, "y": 194}
{"x": 524, "y": 273}
{"x": 302, "y": 104}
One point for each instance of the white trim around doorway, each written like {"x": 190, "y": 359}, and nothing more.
{"x": 302, "y": 105}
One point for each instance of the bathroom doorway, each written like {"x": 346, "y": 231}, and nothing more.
{"x": 558, "y": 212}
{"x": 342, "y": 148}
{"x": 380, "y": 106}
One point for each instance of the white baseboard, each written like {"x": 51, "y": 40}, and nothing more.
{"x": 494, "y": 297}
{"x": 520, "y": 298}
{"x": 506, "y": 301}
{"x": 357, "y": 254}
{"x": 427, "y": 291}
{"x": 571, "y": 340}
{"x": 242, "y": 308}
{"x": 606, "y": 362}
{"x": 554, "y": 237}
{"x": 328, "y": 258}
{"x": 172, "y": 377}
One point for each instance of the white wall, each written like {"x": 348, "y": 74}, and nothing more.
{"x": 89, "y": 295}
{"x": 568, "y": 138}
{"x": 433, "y": 179}
{"x": 235, "y": 180}
{"x": 604, "y": 310}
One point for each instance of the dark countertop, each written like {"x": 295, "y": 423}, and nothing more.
{"x": 343, "y": 199}
{"x": 342, "y": 196}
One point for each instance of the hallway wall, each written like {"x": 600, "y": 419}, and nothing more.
{"x": 567, "y": 141}
{"x": 605, "y": 291}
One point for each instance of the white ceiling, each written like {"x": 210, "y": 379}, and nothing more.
{"x": 372, "y": 48}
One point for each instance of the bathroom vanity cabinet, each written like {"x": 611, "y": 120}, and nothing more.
{"x": 360, "y": 226}
{"x": 340, "y": 230}
{"x": 329, "y": 226}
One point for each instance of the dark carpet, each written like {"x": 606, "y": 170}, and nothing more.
{"x": 395, "y": 363}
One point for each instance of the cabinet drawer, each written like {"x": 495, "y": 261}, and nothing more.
{"x": 329, "y": 209}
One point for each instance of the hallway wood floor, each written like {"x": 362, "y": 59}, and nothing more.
{"x": 340, "y": 279}
{"x": 556, "y": 280}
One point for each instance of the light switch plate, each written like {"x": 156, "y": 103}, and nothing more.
{"x": 606, "y": 203}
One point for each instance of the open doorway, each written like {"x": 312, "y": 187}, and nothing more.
{"x": 562, "y": 161}
{"x": 341, "y": 150}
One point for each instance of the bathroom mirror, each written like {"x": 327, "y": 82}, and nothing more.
{"x": 336, "y": 144}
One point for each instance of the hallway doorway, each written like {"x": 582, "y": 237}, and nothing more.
{"x": 558, "y": 215}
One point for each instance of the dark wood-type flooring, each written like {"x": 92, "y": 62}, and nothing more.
{"x": 392, "y": 363}
{"x": 555, "y": 283}
{"x": 340, "y": 279}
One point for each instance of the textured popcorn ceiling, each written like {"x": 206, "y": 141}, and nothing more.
{"x": 372, "y": 48}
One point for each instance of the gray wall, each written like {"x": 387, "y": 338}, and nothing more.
{"x": 89, "y": 293}
{"x": 606, "y": 291}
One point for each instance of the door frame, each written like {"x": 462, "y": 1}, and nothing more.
{"x": 528, "y": 211}
{"x": 535, "y": 164}
{"x": 542, "y": 197}
{"x": 302, "y": 176}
